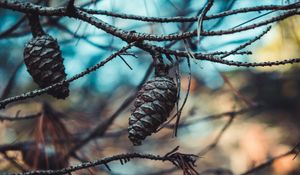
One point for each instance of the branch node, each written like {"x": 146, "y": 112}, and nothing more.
{"x": 71, "y": 7}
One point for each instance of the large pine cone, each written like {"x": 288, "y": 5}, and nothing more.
{"x": 43, "y": 59}
{"x": 152, "y": 106}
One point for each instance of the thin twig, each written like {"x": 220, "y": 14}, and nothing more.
{"x": 247, "y": 43}
{"x": 125, "y": 62}
{"x": 218, "y": 137}
{"x": 215, "y": 117}
{"x": 128, "y": 35}
{"x": 202, "y": 16}
{"x": 8, "y": 31}
{"x": 13, "y": 162}
{"x": 19, "y": 118}
{"x": 194, "y": 18}
{"x": 173, "y": 158}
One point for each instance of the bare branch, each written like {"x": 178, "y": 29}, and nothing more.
{"x": 19, "y": 118}
{"x": 175, "y": 158}
{"x": 192, "y": 19}
{"x": 8, "y": 31}
{"x": 130, "y": 36}
{"x": 247, "y": 43}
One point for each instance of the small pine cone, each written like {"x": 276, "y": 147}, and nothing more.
{"x": 43, "y": 60}
{"x": 152, "y": 106}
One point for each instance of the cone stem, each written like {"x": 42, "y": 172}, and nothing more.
{"x": 34, "y": 22}
{"x": 161, "y": 69}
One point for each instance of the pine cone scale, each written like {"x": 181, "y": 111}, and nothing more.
{"x": 152, "y": 106}
{"x": 159, "y": 107}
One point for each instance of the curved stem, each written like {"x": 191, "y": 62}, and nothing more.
{"x": 35, "y": 24}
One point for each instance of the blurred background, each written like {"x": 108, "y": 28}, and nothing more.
{"x": 255, "y": 134}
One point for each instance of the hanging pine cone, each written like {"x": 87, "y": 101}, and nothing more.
{"x": 43, "y": 60}
{"x": 152, "y": 106}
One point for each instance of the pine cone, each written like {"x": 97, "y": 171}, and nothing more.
{"x": 152, "y": 106}
{"x": 43, "y": 59}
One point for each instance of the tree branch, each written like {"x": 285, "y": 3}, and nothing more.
{"x": 176, "y": 158}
